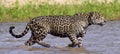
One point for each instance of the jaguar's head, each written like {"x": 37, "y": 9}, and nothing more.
{"x": 96, "y": 18}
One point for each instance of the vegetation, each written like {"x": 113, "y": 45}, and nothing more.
{"x": 21, "y": 14}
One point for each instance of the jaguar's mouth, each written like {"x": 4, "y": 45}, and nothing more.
{"x": 101, "y": 24}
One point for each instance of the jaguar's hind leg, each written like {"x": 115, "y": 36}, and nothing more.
{"x": 41, "y": 35}
{"x": 43, "y": 44}
{"x": 31, "y": 41}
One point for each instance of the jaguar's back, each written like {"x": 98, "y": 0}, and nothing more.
{"x": 56, "y": 25}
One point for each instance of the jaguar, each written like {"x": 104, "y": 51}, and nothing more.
{"x": 74, "y": 27}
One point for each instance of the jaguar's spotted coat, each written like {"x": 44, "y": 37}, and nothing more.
{"x": 73, "y": 27}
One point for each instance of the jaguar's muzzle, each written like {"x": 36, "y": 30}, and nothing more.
{"x": 101, "y": 24}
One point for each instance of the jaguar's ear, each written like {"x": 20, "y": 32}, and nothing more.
{"x": 91, "y": 14}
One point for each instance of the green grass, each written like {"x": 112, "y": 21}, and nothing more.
{"x": 21, "y": 14}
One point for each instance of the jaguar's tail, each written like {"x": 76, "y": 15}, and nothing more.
{"x": 20, "y": 35}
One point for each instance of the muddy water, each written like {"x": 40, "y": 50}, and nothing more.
{"x": 97, "y": 40}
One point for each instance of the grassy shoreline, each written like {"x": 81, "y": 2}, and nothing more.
{"x": 22, "y": 14}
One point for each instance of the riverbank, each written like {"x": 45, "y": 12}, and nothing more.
{"x": 111, "y": 11}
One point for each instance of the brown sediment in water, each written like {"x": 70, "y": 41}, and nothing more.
{"x": 56, "y": 48}
{"x": 82, "y": 49}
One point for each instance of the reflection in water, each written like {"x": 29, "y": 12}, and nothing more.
{"x": 98, "y": 40}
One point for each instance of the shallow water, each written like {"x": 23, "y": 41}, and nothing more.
{"x": 97, "y": 40}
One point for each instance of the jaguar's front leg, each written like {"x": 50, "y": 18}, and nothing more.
{"x": 80, "y": 39}
{"x": 74, "y": 40}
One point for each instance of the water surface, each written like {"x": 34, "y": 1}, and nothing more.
{"x": 97, "y": 40}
